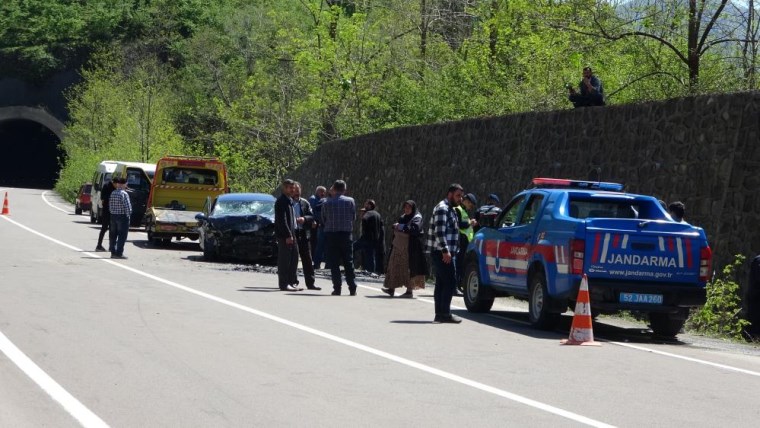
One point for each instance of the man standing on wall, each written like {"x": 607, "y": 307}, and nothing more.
{"x": 306, "y": 229}
{"x": 121, "y": 211}
{"x": 285, "y": 231}
{"x": 590, "y": 88}
{"x": 338, "y": 215}
{"x": 443, "y": 245}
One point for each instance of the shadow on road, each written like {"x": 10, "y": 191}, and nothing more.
{"x": 517, "y": 322}
{"x": 171, "y": 246}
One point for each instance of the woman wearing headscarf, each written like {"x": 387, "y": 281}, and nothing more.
{"x": 407, "y": 265}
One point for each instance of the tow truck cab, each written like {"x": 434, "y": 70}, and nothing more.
{"x": 179, "y": 191}
{"x": 633, "y": 253}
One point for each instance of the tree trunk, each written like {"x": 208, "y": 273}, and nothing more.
{"x": 423, "y": 28}
{"x": 693, "y": 49}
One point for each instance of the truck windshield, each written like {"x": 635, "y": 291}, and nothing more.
{"x": 189, "y": 176}
{"x": 582, "y": 208}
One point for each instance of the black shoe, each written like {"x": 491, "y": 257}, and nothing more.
{"x": 352, "y": 292}
{"x": 451, "y": 319}
{"x": 336, "y": 293}
{"x": 313, "y": 287}
{"x": 389, "y": 291}
{"x": 118, "y": 256}
{"x": 437, "y": 319}
{"x": 100, "y": 249}
{"x": 407, "y": 295}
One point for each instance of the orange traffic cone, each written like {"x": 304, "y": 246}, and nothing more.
{"x": 581, "y": 332}
{"x": 6, "y": 211}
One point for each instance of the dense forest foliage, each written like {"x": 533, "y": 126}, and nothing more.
{"x": 261, "y": 83}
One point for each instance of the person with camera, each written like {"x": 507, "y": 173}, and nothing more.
{"x": 590, "y": 90}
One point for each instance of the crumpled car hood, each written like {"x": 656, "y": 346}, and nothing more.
{"x": 241, "y": 223}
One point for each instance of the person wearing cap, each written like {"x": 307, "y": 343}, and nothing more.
{"x": 466, "y": 233}
{"x": 121, "y": 210}
{"x": 487, "y": 213}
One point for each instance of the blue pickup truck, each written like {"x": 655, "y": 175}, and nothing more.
{"x": 635, "y": 256}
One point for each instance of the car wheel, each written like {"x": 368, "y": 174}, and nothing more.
{"x": 666, "y": 325}
{"x": 152, "y": 240}
{"x": 209, "y": 252}
{"x": 77, "y": 209}
{"x": 477, "y": 297}
{"x": 539, "y": 304}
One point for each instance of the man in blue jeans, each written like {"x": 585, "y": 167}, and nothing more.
{"x": 121, "y": 211}
{"x": 443, "y": 244}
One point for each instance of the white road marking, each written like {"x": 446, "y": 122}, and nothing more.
{"x": 382, "y": 354}
{"x": 693, "y": 360}
{"x": 76, "y": 409}
{"x": 49, "y": 203}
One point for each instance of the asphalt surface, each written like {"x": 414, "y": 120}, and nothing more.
{"x": 165, "y": 339}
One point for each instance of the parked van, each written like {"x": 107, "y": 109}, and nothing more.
{"x": 139, "y": 177}
{"x": 102, "y": 176}
{"x": 180, "y": 189}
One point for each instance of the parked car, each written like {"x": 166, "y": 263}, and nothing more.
{"x": 83, "y": 202}
{"x": 239, "y": 226}
{"x": 635, "y": 256}
{"x": 101, "y": 177}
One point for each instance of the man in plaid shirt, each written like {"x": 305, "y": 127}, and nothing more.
{"x": 443, "y": 245}
{"x": 121, "y": 210}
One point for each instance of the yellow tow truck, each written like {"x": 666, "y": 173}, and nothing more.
{"x": 179, "y": 191}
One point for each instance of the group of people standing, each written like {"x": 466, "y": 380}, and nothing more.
{"x": 299, "y": 231}
{"x": 322, "y": 226}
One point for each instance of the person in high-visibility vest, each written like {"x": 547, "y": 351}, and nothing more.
{"x": 467, "y": 232}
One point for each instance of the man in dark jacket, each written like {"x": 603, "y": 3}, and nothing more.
{"x": 306, "y": 229}
{"x": 318, "y": 236}
{"x": 105, "y": 195}
{"x": 285, "y": 231}
{"x": 590, "y": 91}
{"x": 372, "y": 240}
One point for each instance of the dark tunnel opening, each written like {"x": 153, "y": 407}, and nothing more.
{"x": 30, "y": 155}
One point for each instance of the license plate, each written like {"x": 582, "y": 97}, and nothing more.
{"x": 650, "y": 299}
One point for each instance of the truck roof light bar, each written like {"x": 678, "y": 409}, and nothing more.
{"x": 557, "y": 183}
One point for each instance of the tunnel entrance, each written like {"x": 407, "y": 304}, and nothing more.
{"x": 29, "y": 155}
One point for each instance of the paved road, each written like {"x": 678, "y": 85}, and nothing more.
{"x": 164, "y": 339}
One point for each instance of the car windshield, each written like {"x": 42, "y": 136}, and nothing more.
{"x": 265, "y": 208}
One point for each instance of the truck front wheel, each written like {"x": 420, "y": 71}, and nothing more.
{"x": 539, "y": 304}
{"x": 477, "y": 298}
{"x": 666, "y": 325}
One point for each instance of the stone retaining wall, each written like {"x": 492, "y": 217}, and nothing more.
{"x": 703, "y": 151}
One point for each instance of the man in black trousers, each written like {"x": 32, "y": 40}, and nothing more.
{"x": 306, "y": 229}
{"x": 285, "y": 231}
